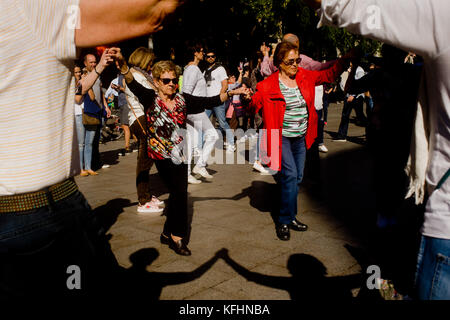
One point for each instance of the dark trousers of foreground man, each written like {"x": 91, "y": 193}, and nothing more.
{"x": 47, "y": 252}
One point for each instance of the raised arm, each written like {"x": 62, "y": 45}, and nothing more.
{"x": 88, "y": 81}
{"x": 420, "y": 26}
{"x": 111, "y": 21}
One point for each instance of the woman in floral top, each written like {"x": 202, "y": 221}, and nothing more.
{"x": 166, "y": 112}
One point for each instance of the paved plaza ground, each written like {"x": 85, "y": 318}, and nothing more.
{"x": 233, "y": 211}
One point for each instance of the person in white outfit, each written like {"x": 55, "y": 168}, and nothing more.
{"x": 198, "y": 123}
{"x": 419, "y": 26}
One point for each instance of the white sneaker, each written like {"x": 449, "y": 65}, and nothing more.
{"x": 202, "y": 171}
{"x": 323, "y": 149}
{"x": 149, "y": 208}
{"x": 230, "y": 148}
{"x": 192, "y": 180}
{"x": 156, "y": 201}
{"x": 260, "y": 168}
{"x": 105, "y": 166}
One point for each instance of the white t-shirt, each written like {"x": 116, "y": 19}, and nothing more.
{"x": 78, "y": 109}
{"x": 215, "y": 86}
{"x": 318, "y": 98}
{"x": 136, "y": 109}
{"x": 194, "y": 82}
{"x": 36, "y": 58}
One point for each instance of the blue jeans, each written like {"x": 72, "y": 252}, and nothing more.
{"x": 80, "y": 137}
{"x": 433, "y": 269}
{"x": 293, "y": 155}
{"x": 37, "y": 247}
{"x": 88, "y": 146}
{"x": 219, "y": 111}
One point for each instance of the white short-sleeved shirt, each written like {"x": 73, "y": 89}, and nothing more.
{"x": 36, "y": 62}
{"x": 217, "y": 76}
{"x": 136, "y": 109}
{"x": 194, "y": 82}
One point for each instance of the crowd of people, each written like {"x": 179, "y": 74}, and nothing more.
{"x": 284, "y": 96}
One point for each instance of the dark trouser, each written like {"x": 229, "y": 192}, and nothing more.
{"x": 289, "y": 178}
{"x": 326, "y": 103}
{"x": 175, "y": 178}
{"x": 357, "y": 103}
{"x": 320, "y": 126}
{"x": 144, "y": 163}
{"x": 37, "y": 247}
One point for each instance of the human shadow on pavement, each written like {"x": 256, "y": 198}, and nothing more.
{"x": 105, "y": 216}
{"x": 349, "y": 194}
{"x": 138, "y": 284}
{"x": 308, "y": 281}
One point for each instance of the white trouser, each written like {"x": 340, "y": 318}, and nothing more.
{"x": 196, "y": 124}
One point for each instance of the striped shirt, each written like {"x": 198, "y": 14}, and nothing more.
{"x": 37, "y": 49}
{"x": 295, "y": 120}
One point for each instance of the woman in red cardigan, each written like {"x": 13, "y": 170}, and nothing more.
{"x": 290, "y": 125}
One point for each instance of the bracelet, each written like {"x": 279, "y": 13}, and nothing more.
{"x": 95, "y": 69}
{"x": 128, "y": 70}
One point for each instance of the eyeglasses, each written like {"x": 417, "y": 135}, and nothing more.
{"x": 169, "y": 80}
{"x": 211, "y": 56}
{"x": 290, "y": 62}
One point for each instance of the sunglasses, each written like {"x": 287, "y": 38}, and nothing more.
{"x": 169, "y": 80}
{"x": 211, "y": 56}
{"x": 290, "y": 62}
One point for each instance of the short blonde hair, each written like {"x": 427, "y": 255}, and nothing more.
{"x": 164, "y": 66}
{"x": 141, "y": 58}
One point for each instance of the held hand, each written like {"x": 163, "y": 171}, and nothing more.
{"x": 264, "y": 49}
{"x": 350, "y": 99}
{"x": 222, "y": 253}
{"x": 105, "y": 60}
{"x": 116, "y": 54}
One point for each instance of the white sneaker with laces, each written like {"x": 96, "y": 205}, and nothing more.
{"x": 149, "y": 208}
{"x": 202, "y": 171}
{"x": 156, "y": 201}
{"x": 193, "y": 180}
{"x": 323, "y": 149}
{"x": 258, "y": 167}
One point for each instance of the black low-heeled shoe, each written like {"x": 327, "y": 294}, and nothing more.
{"x": 164, "y": 239}
{"x": 283, "y": 232}
{"x": 297, "y": 225}
{"x": 179, "y": 247}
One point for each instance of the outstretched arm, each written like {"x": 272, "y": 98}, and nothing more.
{"x": 419, "y": 26}
{"x": 265, "y": 280}
{"x": 183, "y": 277}
{"x": 112, "y": 21}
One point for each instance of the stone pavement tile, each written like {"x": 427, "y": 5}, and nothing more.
{"x": 191, "y": 287}
{"x": 124, "y": 235}
{"x": 267, "y": 238}
{"x": 320, "y": 222}
{"x": 240, "y": 221}
{"x": 212, "y": 294}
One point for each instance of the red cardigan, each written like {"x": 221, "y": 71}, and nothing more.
{"x": 268, "y": 96}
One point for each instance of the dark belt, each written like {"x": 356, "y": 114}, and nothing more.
{"x": 35, "y": 200}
